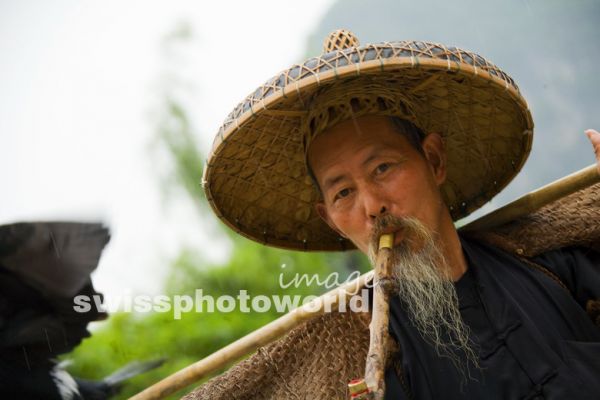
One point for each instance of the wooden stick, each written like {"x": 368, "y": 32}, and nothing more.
{"x": 252, "y": 341}
{"x": 378, "y": 346}
{"x": 285, "y": 323}
{"x": 537, "y": 199}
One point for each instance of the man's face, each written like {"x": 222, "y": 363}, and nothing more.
{"x": 366, "y": 169}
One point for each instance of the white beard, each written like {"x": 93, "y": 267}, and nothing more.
{"x": 425, "y": 288}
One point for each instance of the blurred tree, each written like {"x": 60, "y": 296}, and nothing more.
{"x": 251, "y": 266}
{"x": 549, "y": 47}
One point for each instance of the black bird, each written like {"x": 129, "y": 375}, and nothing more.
{"x": 43, "y": 266}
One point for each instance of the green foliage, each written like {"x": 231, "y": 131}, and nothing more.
{"x": 176, "y": 135}
{"x": 128, "y": 337}
{"x": 505, "y": 32}
{"x": 252, "y": 267}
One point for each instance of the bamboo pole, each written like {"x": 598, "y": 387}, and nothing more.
{"x": 537, "y": 199}
{"x": 252, "y": 341}
{"x": 379, "y": 336}
{"x": 270, "y": 332}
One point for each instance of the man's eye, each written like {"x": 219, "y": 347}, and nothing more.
{"x": 343, "y": 193}
{"x": 382, "y": 168}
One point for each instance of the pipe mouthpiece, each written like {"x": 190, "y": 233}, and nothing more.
{"x": 386, "y": 241}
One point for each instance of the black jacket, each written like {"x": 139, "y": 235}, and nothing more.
{"x": 534, "y": 338}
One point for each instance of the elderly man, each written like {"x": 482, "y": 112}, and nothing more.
{"x": 406, "y": 138}
{"x": 471, "y": 321}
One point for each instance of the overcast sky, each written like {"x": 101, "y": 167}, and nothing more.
{"x": 78, "y": 85}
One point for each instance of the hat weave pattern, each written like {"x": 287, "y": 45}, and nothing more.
{"x": 256, "y": 179}
{"x": 317, "y": 359}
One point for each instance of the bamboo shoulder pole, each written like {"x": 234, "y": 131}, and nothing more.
{"x": 537, "y": 199}
{"x": 249, "y": 343}
{"x": 252, "y": 341}
{"x": 379, "y": 336}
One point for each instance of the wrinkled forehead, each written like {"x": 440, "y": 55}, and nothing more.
{"x": 353, "y": 141}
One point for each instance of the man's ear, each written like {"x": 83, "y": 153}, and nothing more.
{"x": 322, "y": 211}
{"x": 435, "y": 153}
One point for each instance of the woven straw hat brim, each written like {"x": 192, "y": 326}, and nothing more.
{"x": 256, "y": 179}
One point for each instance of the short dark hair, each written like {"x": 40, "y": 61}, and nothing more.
{"x": 409, "y": 130}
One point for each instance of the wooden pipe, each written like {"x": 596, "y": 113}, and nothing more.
{"x": 379, "y": 336}
{"x": 537, "y": 199}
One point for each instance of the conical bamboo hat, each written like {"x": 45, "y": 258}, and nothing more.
{"x": 256, "y": 179}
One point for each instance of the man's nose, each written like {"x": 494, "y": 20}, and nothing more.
{"x": 375, "y": 205}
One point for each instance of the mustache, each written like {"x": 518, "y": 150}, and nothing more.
{"x": 385, "y": 224}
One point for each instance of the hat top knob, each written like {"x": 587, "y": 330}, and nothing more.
{"x": 339, "y": 40}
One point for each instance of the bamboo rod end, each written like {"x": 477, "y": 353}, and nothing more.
{"x": 386, "y": 241}
{"x": 358, "y": 389}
